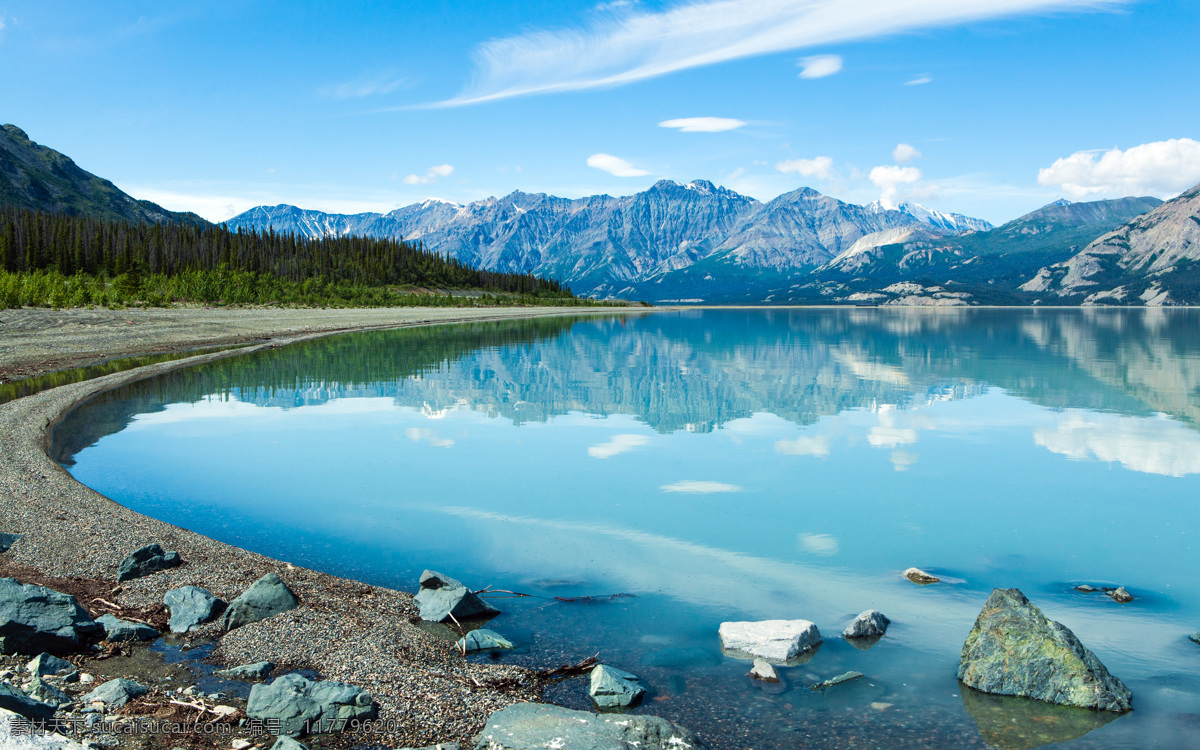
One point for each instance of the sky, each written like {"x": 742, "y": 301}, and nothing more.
{"x": 990, "y": 108}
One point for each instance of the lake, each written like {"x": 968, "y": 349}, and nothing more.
{"x": 726, "y": 465}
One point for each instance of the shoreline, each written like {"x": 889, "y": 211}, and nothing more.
{"x": 345, "y": 630}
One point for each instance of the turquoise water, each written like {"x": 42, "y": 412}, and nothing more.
{"x": 726, "y": 465}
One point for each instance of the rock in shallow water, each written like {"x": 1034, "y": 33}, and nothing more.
{"x": 304, "y": 706}
{"x": 117, "y": 630}
{"x": 256, "y": 671}
{"x": 442, "y": 596}
{"x": 191, "y": 606}
{"x": 844, "y": 677}
{"x": 536, "y": 726}
{"x": 614, "y": 688}
{"x": 266, "y": 597}
{"x": 762, "y": 670}
{"x": 1015, "y": 650}
{"x": 145, "y": 561}
{"x": 869, "y": 623}
{"x": 916, "y": 575}
{"x": 1195, "y": 637}
{"x": 35, "y": 619}
{"x": 1119, "y": 594}
{"x": 777, "y": 640}
{"x": 483, "y": 639}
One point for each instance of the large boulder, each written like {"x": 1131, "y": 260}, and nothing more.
{"x": 146, "y": 560}
{"x": 191, "y": 606}
{"x": 442, "y": 596}
{"x": 115, "y": 693}
{"x": 303, "y": 706}
{"x": 774, "y": 640}
{"x": 16, "y": 701}
{"x": 535, "y": 726}
{"x": 117, "y": 630}
{"x": 1016, "y": 650}
{"x": 267, "y": 596}
{"x": 868, "y": 624}
{"x": 35, "y": 619}
{"x": 614, "y": 688}
{"x": 483, "y": 639}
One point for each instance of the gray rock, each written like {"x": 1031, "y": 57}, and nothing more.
{"x": 117, "y": 630}
{"x": 762, "y": 670}
{"x": 442, "y": 596}
{"x": 287, "y": 743}
{"x": 191, "y": 606}
{"x": 776, "y": 640}
{"x": 1195, "y": 637}
{"x": 146, "y": 560}
{"x": 43, "y": 665}
{"x": 256, "y": 671}
{"x": 1085, "y": 588}
{"x": 43, "y": 691}
{"x": 1015, "y": 650}
{"x": 483, "y": 640}
{"x": 267, "y": 596}
{"x": 535, "y": 726}
{"x": 8, "y": 540}
{"x": 1119, "y": 594}
{"x": 844, "y": 677}
{"x": 115, "y": 693}
{"x": 304, "y": 706}
{"x": 35, "y": 619}
{"x": 614, "y": 688}
{"x": 16, "y": 701}
{"x": 869, "y": 623}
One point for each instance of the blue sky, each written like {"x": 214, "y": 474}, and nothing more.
{"x": 219, "y": 106}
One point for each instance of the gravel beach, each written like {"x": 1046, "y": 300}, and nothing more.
{"x": 74, "y": 538}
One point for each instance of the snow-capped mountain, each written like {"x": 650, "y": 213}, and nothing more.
{"x": 953, "y": 223}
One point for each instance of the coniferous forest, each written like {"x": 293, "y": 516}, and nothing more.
{"x": 56, "y": 260}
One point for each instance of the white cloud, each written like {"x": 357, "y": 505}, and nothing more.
{"x": 1155, "y": 445}
{"x": 614, "y": 166}
{"x": 904, "y": 153}
{"x": 363, "y": 87}
{"x": 901, "y": 460}
{"x": 804, "y": 446}
{"x": 1162, "y": 168}
{"x": 920, "y": 80}
{"x": 703, "y": 124}
{"x": 618, "y": 444}
{"x": 820, "y": 167}
{"x": 432, "y": 174}
{"x": 818, "y": 544}
{"x": 890, "y": 178}
{"x": 887, "y": 436}
{"x": 699, "y": 487}
{"x": 424, "y": 435}
{"x": 611, "y": 50}
{"x": 819, "y": 66}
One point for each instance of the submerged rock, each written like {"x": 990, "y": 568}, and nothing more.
{"x": 256, "y": 671}
{"x": 145, "y": 561}
{"x": 115, "y": 693}
{"x": 191, "y": 606}
{"x": 1010, "y": 723}
{"x": 305, "y": 706}
{"x": 1119, "y": 594}
{"x": 8, "y": 540}
{"x": 1085, "y": 588}
{"x": 844, "y": 677}
{"x": 535, "y": 726}
{"x": 614, "y": 688}
{"x": 43, "y": 665}
{"x": 483, "y": 639}
{"x": 762, "y": 670}
{"x": 916, "y": 575}
{"x": 869, "y": 623}
{"x": 777, "y": 640}
{"x": 267, "y": 596}
{"x": 16, "y": 701}
{"x": 117, "y": 630}
{"x": 35, "y": 619}
{"x": 1195, "y": 637}
{"x": 442, "y": 596}
{"x": 1015, "y": 650}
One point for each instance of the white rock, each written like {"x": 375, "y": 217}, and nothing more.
{"x": 241, "y": 744}
{"x": 15, "y": 736}
{"x": 86, "y": 679}
{"x": 778, "y": 640}
{"x": 762, "y": 670}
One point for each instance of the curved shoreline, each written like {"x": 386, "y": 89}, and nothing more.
{"x": 344, "y": 629}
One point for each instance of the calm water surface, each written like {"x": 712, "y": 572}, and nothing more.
{"x": 726, "y": 465}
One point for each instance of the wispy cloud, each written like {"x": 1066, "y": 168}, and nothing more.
{"x": 431, "y": 174}
{"x": 615, "y": 166}
{"x": 904, "y": 153}
{"x": 920, "y": 80}
{"x": 1162, "y": 168}
{"x": 703, "y": 124}
{"x": 821, "y": 167}
{"x": 701, "y": 488}
{"x": 820, "y": 66}
{"x": 619, "y": 444}
{"x": 634, "y": 45}
{"x": 367, "y": 86}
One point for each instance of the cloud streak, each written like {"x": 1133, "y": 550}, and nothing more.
{"x": 703, "y": 124}
{"x": 820, "y": 66}
{"x": 614, "y": 165}
{"x": 613, "y": 50}
{"x": 432, "y": 174}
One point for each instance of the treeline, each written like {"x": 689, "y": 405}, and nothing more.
{"x": 211, "y": 263}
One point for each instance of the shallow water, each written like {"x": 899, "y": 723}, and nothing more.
{"x": 726, "y": 465}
